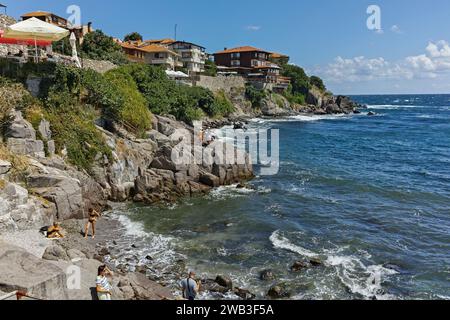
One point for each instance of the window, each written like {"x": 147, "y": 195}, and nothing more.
{"x": 236, "y": 55}
{"x": 235, "y": 63}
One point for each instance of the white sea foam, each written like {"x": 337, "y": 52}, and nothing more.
{"x": 231, "y": 191}
{"x": 282, "y": 242}
{"x": 350, "y": 270}
{"x": 160, "y": 248}
{"x": 132, "y": 228}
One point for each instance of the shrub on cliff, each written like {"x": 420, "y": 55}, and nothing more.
{"x": 299, "y": 80}
{"x": 13, "y": 96}
{"x": 98, "y": 46}
{"x": 114, "y": 94}
{"x": 133, "y": 112}
{"x": 73, "y": 128}
{"x": 254, "y": 95}
{"x": 166, "y": 97}
{"x": 318, "y": 83}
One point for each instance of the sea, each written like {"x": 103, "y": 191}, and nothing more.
{"x": 369, "y": 196}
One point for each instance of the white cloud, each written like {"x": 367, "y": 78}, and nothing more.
{"x": 431, "y": 64}
{"x": 396, "y": 29}
{"x": 253, "y": 28}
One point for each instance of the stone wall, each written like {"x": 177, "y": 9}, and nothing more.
{"x": 225, "y": 83}
{"x": 99, "y": 66}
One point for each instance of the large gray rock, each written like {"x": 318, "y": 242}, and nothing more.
{"x": 44, "y": 130}
{"x": 29, "y": 147}
{"x": 65, "y": 192}
{"x": 19, "y": 270}
{"x": 209, "y": 179}
{"x": 19, "y": 128}
{"x": 18, "y": 210}
{"x": 315, "y": 97}
{"x": 167, "y": 126}
{"x": 55, "y": 253}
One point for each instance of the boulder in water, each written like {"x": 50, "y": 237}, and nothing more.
{"x": 267, "y": 275}
{"x": 224, "y": 281}
{"x": 371, "y": 113}
{"x": 299, "y": 266}
{"x": 213, "y": 286}
{"x": 279, "y": 292}
{"x": 244, "y": 294}
{"x": 315, "y": 262}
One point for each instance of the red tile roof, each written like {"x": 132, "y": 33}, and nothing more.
{"x": 242, "y": 49}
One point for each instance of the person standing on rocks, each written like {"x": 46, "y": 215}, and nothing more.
{"x": 190, "y": 287}
{"x": 93, "y": 217}
{"x": 103, "y": 286}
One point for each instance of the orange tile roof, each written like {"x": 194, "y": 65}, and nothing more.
{"x": 276, "y": 55}
{"x": 145, "y": 47}
{"x": 242, "y": 49}
{"x": 160, "y": 41}
{"x": 36, "y": 14}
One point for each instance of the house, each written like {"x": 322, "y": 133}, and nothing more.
{"x": 192, "y": 55}
{"x": 79, "y": 31}
{"x": 279, "y": 58}
{"x": 242, "y": 59}
{"x": 253, "y": 63}
{"x": 152, "y": 54}
{"x": 47, "y": 17}
{"x": 187, "y": 55}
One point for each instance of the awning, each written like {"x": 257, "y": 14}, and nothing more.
{"x": 176, "y": 74}
{"x": 26, "y": 42}
{"x": 35, "y": 29}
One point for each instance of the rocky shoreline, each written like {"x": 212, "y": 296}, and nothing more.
{"x": 39, "y": 187}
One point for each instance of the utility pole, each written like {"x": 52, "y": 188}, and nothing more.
{"x": 176, "y": 29}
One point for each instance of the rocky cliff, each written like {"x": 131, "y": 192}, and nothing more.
{"x": 142, "y": 170}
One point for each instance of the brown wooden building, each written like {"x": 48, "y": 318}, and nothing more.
{"x": 253, "y": 63}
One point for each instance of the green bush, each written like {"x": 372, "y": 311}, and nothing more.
{"x": 222, "y": 106}
{"x": 98, "y": 46}
{"x": 73, "y": 128}
{"x": 318, "y": 83}
{"x": 210, "y": 68}
{"x": 254, "y": 95}
{"x": 134, "y": 111}
{"x": 166, "y": 97}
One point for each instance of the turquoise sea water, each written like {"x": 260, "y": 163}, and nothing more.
{"x": 369, "y": 196}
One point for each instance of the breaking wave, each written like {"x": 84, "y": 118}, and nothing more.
{"x": 357, "y": 277}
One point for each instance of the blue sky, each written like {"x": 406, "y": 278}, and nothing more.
{"x": 328, "y": 38}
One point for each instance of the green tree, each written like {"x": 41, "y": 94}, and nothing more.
{"x": 254, "y": 95}
{"x": 98, "y": 46}
{"x": 299, "y": 80}
{"x": 210, "y": 68}
{"x": 317, "y": 82}
{"x": 134, "y": 36}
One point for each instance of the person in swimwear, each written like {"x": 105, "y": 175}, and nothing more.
{"x": 93, "y": 217}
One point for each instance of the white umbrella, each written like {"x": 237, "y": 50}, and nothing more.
{"x": 73, "y": 43}
{"x": 35, "y": 29}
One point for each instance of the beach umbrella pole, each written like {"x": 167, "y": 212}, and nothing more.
{"x": 35, "y": 51}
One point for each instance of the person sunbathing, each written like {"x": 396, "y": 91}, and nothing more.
{"x": 55, "y": 232}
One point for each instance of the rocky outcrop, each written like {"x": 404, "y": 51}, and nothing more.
{"x": 275, "y": 106}
{"x": 19, "y": 270}
{"x": 166, "y": 165}
{"x": 21, "y": 137}
{"x": 322, "y": 103}
{"x": 19, "y": 210}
